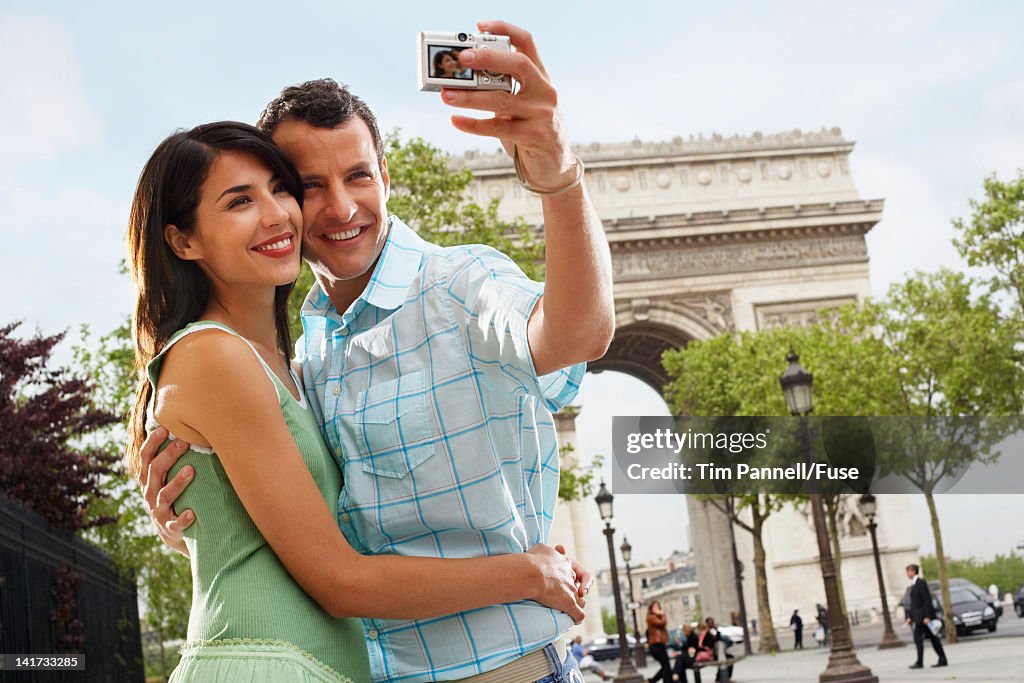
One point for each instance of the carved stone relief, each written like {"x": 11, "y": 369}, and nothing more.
{"x": 850, "y": 521}
{"x": 796, "y": 313}
{"x": 689, "y": 260}
{"x": 714, "y": 309}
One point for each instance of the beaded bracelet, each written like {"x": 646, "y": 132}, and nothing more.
{"x": 536, "y": 190}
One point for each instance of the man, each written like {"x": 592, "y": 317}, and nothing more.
{"x": 720, "y": 638}
{"x": 434, "y": 372}
{"x": 585, "y": 660}
{"x": 796, "y": 624}
{"x": 921, "y": 613}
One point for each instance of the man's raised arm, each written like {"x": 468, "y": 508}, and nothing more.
{"x": 574, "y": 320}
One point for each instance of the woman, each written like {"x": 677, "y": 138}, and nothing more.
{"x": 657, "y": 641}
{"x": 213, "y": 239}
{"x": 687, "y": 658}
{"x": 446, "y": 65}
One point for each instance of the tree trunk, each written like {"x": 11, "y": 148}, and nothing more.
{"x": 768, "y": 643}
{"x": 940, "y": 556}
{"x": 831, "y": 509}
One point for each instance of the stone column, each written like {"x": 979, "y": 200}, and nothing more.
{"x": 571, "y": 525}
{"x": 709, "y": 538}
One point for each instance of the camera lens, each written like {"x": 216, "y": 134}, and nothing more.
{"x": 463, "y": 37}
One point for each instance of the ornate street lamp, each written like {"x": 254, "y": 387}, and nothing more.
{"x": 843, "y": 665}
{"x": 638, "y": 649}
{"x": 627, "y": 672}
{"x": 889, "y": 638}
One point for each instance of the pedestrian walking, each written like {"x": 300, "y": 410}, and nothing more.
{"x": 823, "y": 631}
{"x": 657, "y": 641}
{"x": 922, "y": 614}
{"x": 796, "y": 624}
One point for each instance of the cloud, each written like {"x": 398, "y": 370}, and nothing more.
{"x": 915, "y": 232}
{"x": 1005, "y": 100}
{"x": 45, "y": 107}
{"x": 62, "y": 248}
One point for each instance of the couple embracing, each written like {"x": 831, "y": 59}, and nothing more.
{"x": 376, "y": 509}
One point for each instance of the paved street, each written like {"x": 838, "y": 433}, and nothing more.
{"x": 979, "y": 657}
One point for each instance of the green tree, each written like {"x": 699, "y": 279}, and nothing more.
{"x": 952, "y": 353}
{"x": 1005, "y": 571}
{"x": 738, "y": 376}
{"x": 932, "y": 348}
{"x": 608, "y": 622}
{"x": 993, "y": 236}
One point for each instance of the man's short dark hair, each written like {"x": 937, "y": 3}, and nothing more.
{"x": 323, "y": 103}
{"x": 917, "y": 569}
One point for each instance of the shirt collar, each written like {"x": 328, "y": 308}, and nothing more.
{"x": 396, "y": 268}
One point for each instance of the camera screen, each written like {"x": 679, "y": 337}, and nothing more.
{"x": 444, "y": 63}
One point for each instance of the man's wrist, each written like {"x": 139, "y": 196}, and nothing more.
{"x": 556, "y": 175}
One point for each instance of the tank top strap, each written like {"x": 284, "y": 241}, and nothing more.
{"x": 153, "y": 368}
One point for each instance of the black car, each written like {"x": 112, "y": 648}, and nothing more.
{"x": 1018, "y": 601}
{"x": 969, "y": 612}
{"x": 974, "y": 589}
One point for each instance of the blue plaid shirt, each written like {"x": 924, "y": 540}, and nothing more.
{"x": 427, "y": 395}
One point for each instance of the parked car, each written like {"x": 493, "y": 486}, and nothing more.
{"x": 733, "y": 633}
{"x": 607, "y": 647}
{"x": 974, "y": 589}
{"x": 970, "y": 612}
{"x": 1018, "y": 601}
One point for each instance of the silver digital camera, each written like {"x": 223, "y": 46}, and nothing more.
{"x": 440, "y": 67}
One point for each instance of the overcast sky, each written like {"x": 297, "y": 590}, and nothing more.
{"x": 931, "y": 91}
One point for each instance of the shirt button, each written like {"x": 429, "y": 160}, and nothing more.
{"x": 372, "y": 634}
{"x": 345, "y": 518}
{"x": 336, "y": 389}
{"x": 338, "y": 450}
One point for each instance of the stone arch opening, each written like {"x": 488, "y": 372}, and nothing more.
{"x": 636, "y": 351}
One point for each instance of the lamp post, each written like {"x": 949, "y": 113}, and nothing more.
{"x": 627, "y": 673}
{"x": 889, "y": 638}
{"x": 638, "y": 648}
{"x": 843, "y": 665}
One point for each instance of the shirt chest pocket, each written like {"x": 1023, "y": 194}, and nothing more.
{"x": 392, "y": 426}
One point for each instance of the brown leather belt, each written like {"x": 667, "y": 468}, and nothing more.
{"x": 532, "y": 666}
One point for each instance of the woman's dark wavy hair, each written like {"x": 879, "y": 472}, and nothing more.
{"x": 438, "y": 58}
{"x": 170, "y": 292}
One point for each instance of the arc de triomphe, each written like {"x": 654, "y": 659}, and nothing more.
{"x": 708, "y": 235}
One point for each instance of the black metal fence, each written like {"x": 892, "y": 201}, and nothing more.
{"x": 30, "y": 553}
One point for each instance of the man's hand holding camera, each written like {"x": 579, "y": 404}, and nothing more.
{"x": 528, "y": 119}
{"x": 575, "y": 318}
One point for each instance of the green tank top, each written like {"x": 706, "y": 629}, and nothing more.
{"x": 241, "y": 593}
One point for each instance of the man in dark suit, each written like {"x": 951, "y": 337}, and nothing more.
{"x": 921, "y": 612}
{"x": 796, "y": 624}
